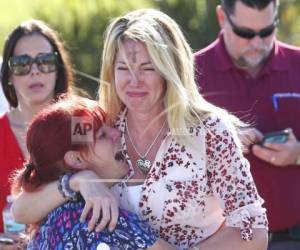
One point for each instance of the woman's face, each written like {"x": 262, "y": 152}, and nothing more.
{"x": 36, "y": 87}
{"x": 106, "y": 157}
{"x": 140, "y": 87}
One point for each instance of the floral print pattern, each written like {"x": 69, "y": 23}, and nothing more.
{"x": 192, "y": 190}
{"x": 62, "y": 230}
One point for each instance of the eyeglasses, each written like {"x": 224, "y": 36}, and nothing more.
{"x": 21, "y": 65}
{"x": 250, "y": 34}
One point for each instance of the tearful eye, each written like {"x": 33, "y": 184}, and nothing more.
{"x": 122, "y": 68}
{"x": 149, "y": 69}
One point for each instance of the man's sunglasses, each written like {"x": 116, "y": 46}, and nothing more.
{"x": 250, "y": 34}
{"x": 21, "y": 65}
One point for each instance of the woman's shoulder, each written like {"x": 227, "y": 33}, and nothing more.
{"x": 221, "y": 130}
{"x": 217, "y": 123}
{"x": 219, "y": 126}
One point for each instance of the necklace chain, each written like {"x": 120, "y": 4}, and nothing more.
{"x": 151, "y": 145}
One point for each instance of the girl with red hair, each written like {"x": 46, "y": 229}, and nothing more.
{"x": 66, "y": 138}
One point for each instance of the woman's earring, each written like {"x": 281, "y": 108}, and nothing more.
{"x": 9, "y": 83}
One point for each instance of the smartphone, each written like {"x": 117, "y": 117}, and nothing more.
{"x": 275, "y": 137}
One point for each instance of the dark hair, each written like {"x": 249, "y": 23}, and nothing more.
{"x": 50, "y": 136}
{"x": 64, "y": 80}
{"x": 229, "y": 5}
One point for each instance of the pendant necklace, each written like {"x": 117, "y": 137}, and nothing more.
{"x": 143, "y": 163}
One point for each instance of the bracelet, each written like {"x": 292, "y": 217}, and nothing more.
{"x": 64, "y": 187}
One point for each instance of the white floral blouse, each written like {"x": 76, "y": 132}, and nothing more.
{"x": 190, "y": 192}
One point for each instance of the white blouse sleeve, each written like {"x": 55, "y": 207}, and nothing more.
{"x": 230, "y": 179}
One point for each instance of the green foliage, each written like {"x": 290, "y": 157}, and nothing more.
{"x": 289, "y": 22}
{"x": 82, "y": 24}
{"x": 190, "y": 15}
{"x": 12, "y": 13}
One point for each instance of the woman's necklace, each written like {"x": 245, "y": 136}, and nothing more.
{"x": 143, "y": 163}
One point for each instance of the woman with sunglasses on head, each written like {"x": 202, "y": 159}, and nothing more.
{"x": 35, "y": 69}
{"x": 61, "y": 153}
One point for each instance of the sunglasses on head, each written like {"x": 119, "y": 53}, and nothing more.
{"x": 21, "y": 65}
{"x": 250, "y": 34}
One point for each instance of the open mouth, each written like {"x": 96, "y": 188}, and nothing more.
{"x": 119, "y": 156}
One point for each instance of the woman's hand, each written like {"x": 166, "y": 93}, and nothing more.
{"x": 98, "y": 198}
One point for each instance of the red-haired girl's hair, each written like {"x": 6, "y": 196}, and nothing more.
{"x": 50, "y": 136}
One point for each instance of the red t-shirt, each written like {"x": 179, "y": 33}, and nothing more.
{"x": 11, "y": 158}
{"x": 270, "y": 102}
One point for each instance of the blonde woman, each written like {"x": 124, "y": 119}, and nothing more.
{"x": 187, "y": 175}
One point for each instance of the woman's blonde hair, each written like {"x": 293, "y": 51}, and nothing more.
{"x": 172, "y": 57}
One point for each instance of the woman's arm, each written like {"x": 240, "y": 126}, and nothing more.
{"x": 160, "y": 244}
{"x": 228, "y": 238}
{"x": 32, "y": 207}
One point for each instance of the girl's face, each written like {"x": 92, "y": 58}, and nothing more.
{"x": 35, "y": 87}
{"x": 106, "y": 158}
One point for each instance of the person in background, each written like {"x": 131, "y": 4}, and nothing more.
{"x": 187, "y": 175}
{"x": 35, "y": 69}
{"x": 253, "y": 75}
{"x": 3, "y": 102}
{"x": 64, "y": 149}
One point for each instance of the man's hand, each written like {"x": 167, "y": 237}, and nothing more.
{"x": 279, "y": 154}
{"x": 248, "y": 137}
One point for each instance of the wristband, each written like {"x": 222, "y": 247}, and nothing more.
{"x": 64, "y": 187}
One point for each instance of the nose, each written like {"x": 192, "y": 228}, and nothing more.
{"x": 256, "y": 41}
{"x": 34, "y": 69}
{"x": 134, "y": 77}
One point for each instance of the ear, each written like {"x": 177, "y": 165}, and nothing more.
{"x": 220, "y": 16}
{"x": 74, "y": 160}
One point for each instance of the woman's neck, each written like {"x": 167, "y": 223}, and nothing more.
{"x": 141, "y": 124}
{"x": 19, "y": 119}
{"x": 24, "y": 113}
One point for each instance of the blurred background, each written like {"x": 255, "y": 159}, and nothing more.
{"x": 81, "y": 24}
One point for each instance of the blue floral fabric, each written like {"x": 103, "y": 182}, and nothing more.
{"x": 62, "y": 230}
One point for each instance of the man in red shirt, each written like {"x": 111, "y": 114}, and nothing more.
{"x": 254, "y": 76}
